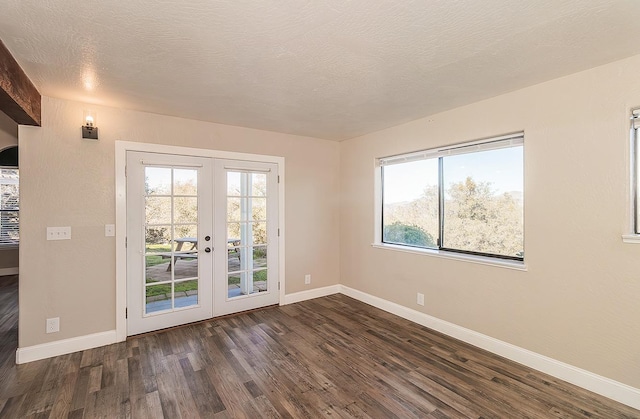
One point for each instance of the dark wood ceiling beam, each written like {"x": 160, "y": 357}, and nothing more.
{"x": 19, "y": 98}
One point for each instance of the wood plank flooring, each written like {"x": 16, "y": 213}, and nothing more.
{"x": 8, "y": 319}
{"x": 328, "y": 357}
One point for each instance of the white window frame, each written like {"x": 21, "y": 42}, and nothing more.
{"x": 508, "y": 140}
{"x": 633, "y": 221}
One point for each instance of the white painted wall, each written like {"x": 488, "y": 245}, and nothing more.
{"x": 579, "y": 301}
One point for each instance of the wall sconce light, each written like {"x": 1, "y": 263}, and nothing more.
{"x": 89, "y": 129}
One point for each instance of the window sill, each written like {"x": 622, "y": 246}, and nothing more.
{"x": 631, "y": 238}
{"x": 482, "y": 260}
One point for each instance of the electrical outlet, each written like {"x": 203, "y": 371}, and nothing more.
{"x": 420, "y": 299}
{"x": 58, "y": 233}
{"x": 307, "y": 279}
{"x": 53, "y": 325}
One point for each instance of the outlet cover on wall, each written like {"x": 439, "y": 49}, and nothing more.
{"x": 307, "y": 279}
{"x": 53, "y": 325}
{"x": 420, "y": 299}
{"x": 58, "y": 233}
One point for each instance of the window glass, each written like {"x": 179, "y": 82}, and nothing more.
{"x": 9, "y": 207}
{"x": 410, "y": 203}
{"x": 468, "y": 198}
{"x": 483, "y": 202}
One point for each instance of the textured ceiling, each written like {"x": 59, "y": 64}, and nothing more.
{"x": 332, "y": 69}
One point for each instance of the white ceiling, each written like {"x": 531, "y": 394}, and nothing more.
{"x": 332, "y": 69}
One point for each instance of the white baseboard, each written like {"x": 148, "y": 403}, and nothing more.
{"x": 601, "y": 385}
{"x": 9, "y": 271}
{"x": 308, "y": 295}
{"x": 65, "y": 346}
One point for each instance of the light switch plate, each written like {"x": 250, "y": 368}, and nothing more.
{"x": 109, "y": 230}
{"x": 58, "y": 233}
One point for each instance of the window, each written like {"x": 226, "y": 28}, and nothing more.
{"x": 466, "y": 198}
{"x": 9, "y": 204}
{"x": 635, "y": 127}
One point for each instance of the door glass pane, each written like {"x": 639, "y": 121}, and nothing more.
{"x": 158, "y": 210}
{"x": 259, "y": 209}
{"x": 246, "y": 227}
{"x": 256, "y": 281}
{"x": 233, "y": 184}
{"x": 233, "y": 233}
{"x": 158, "y": 298}
{"x": 259, "y": 184}
{"x": 259, "y": 257}
{"x": 171, "y": 257}
{"x": 157, "y": 180}
{"x": 258, "y": 232}
{"x": 158, "y": 253}
{"x": 234, "y": 285}
{"x": 186, "y": 293}
{"x": 156, "y": 269}
{"x": 185, "y": 209}
{"x": 185, "y": 182}
{"x": 233, "y": 256}
{"x": 186, "y": 238}
{"x": 233, "y": 243}
{"x": 233, "y": 209}
{"x": 260, "y": 281}
{"x": 158, "y": 239}
{"x": 185, "y": 266}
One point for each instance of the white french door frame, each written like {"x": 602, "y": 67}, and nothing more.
{"x": 121, "y": 149}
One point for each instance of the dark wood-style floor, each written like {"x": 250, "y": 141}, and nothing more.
{"x": 331, "y": 356}
{"x": 8, "y": 321}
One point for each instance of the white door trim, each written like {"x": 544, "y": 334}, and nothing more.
{"x": 121, "y": 148}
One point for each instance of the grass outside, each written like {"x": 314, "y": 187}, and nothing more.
{"x": 166, "y": 288}
{"x": 153, "y": 260}
{"x": 257, "y": 276}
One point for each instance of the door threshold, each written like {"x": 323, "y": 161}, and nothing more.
{"x": 224, "y": 316}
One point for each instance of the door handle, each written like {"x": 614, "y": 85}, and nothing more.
{"x": 207, "y": 249}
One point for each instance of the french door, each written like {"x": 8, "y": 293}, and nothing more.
{"x": 184, "y": 218}
{"x": 169, "y": 229}
{"x": 246, "y": 208}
